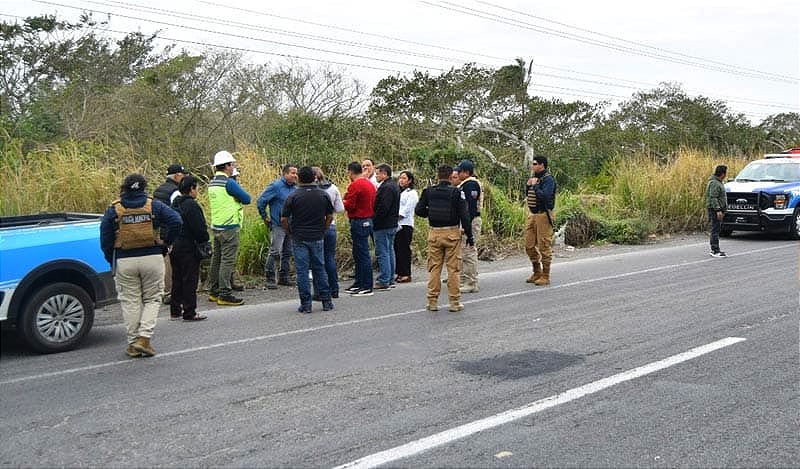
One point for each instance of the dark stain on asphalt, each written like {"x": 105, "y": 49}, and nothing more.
{"x": 517, "y": 365}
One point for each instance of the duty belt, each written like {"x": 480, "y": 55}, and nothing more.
{"x": 452, "y": 227}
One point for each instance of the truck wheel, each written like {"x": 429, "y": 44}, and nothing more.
{"x": 56, "y": 318}
{"x": 794, "y": 230}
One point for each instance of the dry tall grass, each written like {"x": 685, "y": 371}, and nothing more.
{"x": 668, "y": 194}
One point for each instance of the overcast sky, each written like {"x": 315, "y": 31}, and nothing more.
{"x": 745, "y": 53}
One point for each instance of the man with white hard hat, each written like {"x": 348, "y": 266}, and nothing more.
{"x": 226, "y": 198}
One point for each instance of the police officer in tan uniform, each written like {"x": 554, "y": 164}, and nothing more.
{"x": 540, "y": 191}
{"x": 129, "y": 237}
{"x": 445, "y": 208}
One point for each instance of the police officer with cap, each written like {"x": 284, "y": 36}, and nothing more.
{"x": 445, "y": 208}
{"x": 130, "y": 240}
{"x": 473, "y": 193}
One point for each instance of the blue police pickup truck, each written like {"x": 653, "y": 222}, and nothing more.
{"x": 765, "y": 196}
{"x": 52, "y": 276}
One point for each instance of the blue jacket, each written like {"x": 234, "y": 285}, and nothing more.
{"x": 163, "y": 216}
{"x": 274, "y": 195}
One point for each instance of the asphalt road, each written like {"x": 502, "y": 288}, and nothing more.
{"x": 655, "y": 356}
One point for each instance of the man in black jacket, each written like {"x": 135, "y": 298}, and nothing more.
{"x": 387, "y": 210}
{"x": 445, "y": 207}
{"x": 184, "y": 257}
{"x": 167, "y": 192}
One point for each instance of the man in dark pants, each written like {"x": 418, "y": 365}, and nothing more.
{"x": 716, "y": 204}
{"x": 359, "y": 202}
{"x": 306, "y": 215}
{"x": 167, "y": 192}
{"x": 446, "y": 210}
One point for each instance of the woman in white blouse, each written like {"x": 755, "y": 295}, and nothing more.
{"x": 402, "y": 241}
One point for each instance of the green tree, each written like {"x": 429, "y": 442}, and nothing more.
{"x": 51, "y": 71}
{"x": 781, "y": 131}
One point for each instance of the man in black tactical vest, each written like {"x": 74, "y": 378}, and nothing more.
{"x": 446, "y": 210}
{"x": 540, "y": 191}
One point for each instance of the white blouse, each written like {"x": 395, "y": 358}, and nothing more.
{"x": 408, "y": 201}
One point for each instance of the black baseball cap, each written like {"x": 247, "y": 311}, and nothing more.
{"x": 465, "y": 165}
{"x": 176, "y": 168}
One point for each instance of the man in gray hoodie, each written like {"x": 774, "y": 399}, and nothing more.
{"x": 716, "y": 204}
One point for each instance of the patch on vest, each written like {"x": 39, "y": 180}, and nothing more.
{"x": 135, "y": 227}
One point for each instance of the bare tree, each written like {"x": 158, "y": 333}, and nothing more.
{"x": 321, "y": 91}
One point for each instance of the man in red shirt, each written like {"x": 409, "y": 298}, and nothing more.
{"x": 359, "y": 202}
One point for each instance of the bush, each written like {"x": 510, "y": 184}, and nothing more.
{"x": 627, "y": 231}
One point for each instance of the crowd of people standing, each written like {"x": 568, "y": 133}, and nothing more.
{"x": 153, "y": 242}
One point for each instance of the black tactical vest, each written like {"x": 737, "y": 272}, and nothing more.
{"x": 443, "y": 205}
{"x": 165, "y": 191}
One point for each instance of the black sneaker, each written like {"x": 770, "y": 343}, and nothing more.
{"x": 229, "y": 300}
{"x": 286, "y": 282}
{"x": 327, "y": 305}
{"x": 352, "y": 289}
{"x": 305, "y": 309}
{"x": 335, "y": 294}
{"x": 362, "y": 292}
{"x": 195, "y": 317}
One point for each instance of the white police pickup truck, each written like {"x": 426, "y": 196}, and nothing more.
{"x": 765, "y": 196}
{"x": 52, "y": 276}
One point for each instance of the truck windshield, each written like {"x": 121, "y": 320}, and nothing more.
{"x": 775, "y": 172}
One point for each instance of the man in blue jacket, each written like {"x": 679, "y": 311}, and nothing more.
{"x": 130, "y": 240}
{"x": 280, "y": 246}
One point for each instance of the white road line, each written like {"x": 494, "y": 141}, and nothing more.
{"x": 448, "y": 436}
{"x": 376, "y": 318}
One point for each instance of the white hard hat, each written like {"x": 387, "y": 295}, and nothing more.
{"x": 223, "y": 157}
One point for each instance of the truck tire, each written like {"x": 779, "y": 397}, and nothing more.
{"x": 794, "y": 229}
{"x": 56, "y": 318}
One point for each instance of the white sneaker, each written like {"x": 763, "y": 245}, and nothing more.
{"x": 718, "y": 254}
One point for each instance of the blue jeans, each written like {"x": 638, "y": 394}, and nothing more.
{"x": 360, "y": 231}
{"x": 330, "y": 261}
{"x": 384, "y": 251}
{"x": 309, "y": 254}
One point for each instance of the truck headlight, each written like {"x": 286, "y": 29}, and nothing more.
{"x": 780, "y": 201}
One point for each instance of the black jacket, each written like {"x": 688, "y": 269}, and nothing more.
{"x": 194, "y": 228}
{"x": 164, "y": 191}
{"x": 387, "y": 205}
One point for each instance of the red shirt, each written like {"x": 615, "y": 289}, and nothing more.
{"x": 359, "y": 200}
